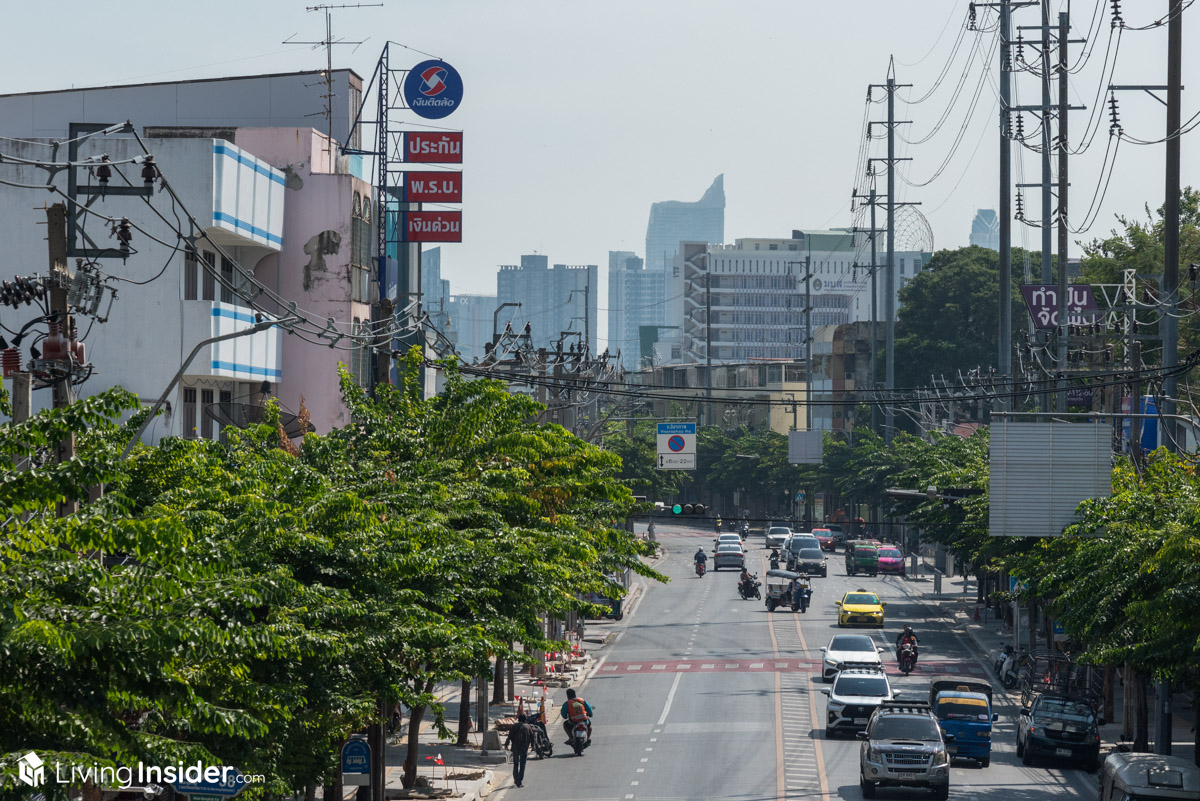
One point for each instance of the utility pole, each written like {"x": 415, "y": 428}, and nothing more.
{"x": 56, "y": 237}
{"x": 1170, "y": 285}
{"x": 1005, "y": 319}
{"x": 889, "y": 283}
{"x": 1162, "y": 740}
{"x": 1064, "y": 26}
{"x": 1047, "y": 242}
{"x": 872, "y": 201}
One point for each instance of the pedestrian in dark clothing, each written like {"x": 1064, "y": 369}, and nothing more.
{"x": 519, "y": 739}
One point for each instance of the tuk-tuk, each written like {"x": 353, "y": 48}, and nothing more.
{"x": 862, "y": 556}
{"x": 785, "y": 588}
{"x": 964, "y": 709}
{"x": 1150, "y": 776}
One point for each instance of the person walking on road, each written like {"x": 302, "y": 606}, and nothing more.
{"x": 519, "y": 739}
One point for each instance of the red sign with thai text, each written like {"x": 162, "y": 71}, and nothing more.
{"x": 433, "y": 147}
{"x": 433, "y": 187}
{"x": 432, "y": 226}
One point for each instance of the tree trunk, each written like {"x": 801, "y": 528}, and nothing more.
{"x": 310, "y": 792}
{"x": 1110, "y": 678}
{"x": 498, "y": 682}
{"x": 464, "y": 712}
{"x": 1141, "y": 734}
{"x": 512, "y": 678}
{"x": 333, "y": 790}
{"x": 1032, "y": 627}
{"x": 1196, "y": 727}
{"x": 409, "y": 778}
{"x": 1128, "y": 692}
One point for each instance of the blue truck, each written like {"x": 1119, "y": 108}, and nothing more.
{"x": 963, "y": 707}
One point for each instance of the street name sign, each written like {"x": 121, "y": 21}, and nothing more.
{"x": 676, "y": 446}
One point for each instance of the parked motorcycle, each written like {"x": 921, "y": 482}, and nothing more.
{"x": 907, "y": 658}
{"x": 541, "y": 741}
{"x": 1006, "y": 668}
{"x": 748, "y": 588}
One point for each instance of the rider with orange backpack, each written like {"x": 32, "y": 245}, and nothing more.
{"x": 576, "y": 710}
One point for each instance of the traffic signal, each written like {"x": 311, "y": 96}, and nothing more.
{"x": 688, "y": 509}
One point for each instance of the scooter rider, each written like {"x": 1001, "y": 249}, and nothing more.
{"x": 774, "y": 558}
{"x": 907, "y": 636}
{"x": 575, "y": 710}
{"x": 746, "y": 581}
{"x": 701, "y": 558}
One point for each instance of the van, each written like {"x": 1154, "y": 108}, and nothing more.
{"x": 862, "y": 556}
{"x": 1148, "y": 777}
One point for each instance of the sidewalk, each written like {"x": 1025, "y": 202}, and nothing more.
{"x": 470, "y": 772}
{"x": 988, "y": 636}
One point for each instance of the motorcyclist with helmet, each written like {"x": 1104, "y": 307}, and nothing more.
{"x": 907, "y": 637}
{"x": 576, "y": 710}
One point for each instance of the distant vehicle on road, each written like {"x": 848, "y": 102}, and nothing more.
{"x": 729, "y": 554}
{"x": 856, "y": 693}
{"x": 1061, "y": 728}
{"x": 811, "y": 561}
{"x": 861, "y": 557}
{"x": 850, "y": 650}
{"x": 728, "y": 537}
{"x": 891, "y": 560}
{"x": 904, "y": 747}
{"x": 777, "y": 536}
{"x": 860, "y": 608}
{"x": 825, "y": 538}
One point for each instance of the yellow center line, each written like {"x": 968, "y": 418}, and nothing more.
{"x": 816, "y": 720}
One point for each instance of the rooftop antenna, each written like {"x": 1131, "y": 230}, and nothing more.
{"x": 328, "y": 42}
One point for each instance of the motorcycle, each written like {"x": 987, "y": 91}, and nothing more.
{"x": 745, "y": 530}
{"x": 748, "y": 588}
{"x": 541, "y": 741}
{"x": 579, "y": 737}
{"x": 1006, "y": 668}
{"x": 700, "y": 568}
{"x": 907, "y": 658}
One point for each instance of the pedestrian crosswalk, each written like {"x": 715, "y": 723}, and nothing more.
{"x": 930, "y": 667}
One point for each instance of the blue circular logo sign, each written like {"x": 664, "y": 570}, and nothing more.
{"x": 675, "y": 443}
{"x": 433, "y": 89}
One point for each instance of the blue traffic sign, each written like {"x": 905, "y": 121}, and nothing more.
{"x": 676, "y": 428}
{"x": 676, "y": 443}
{"x": 433, "y": 89}
{"x": 212, "y": 781}
{"x": 356, "y": 758}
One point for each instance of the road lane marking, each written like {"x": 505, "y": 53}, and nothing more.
{"x": 779, "y": 778}
{"x": 816, "y": 723}
{"x": 670, "y": 697}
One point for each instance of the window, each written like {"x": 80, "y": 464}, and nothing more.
{"x": 191, "y": 276}
{"x": 355, "y": 102}
{"x": 361, "y": 238}
{"x": 189, "y": 413}
{"x": 226, "y": 282}
{"x": 210, "y": 281}
{"x": 206, "y": 421}
{"x": 226, "y": 409}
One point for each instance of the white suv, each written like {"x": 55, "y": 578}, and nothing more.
{"x": 856, "y": 693}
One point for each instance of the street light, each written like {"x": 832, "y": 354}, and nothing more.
{"x": 262, "y": 325}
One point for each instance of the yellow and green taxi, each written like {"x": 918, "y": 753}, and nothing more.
{"x": 860, "y": 608}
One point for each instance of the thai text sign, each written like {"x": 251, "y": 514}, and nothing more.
{"x": 433, "y": 187}
{"x": 1042, "y": 300}
{"x": 431, "y": 226}
{"x": 433, "y": 147}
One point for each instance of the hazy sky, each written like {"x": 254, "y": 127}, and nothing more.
{"x": 579, "y": 115}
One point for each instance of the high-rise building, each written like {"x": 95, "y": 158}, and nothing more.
{"x": 553, "y": 299}
{"x": 471, "y": 320}
{"x": 635, "y": 299}
{"x": 435, "y": 293}
{"x": 749, "y": 298}
{"x": 675, "y": 221}
{"x": 985, "y": 229}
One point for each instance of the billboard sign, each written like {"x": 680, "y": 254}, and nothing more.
{"x": 433, "y": 147}
{"x": 356, "y": 763}
{"x": 432, "y": 187}
{"x": 1042, "y": 300}
{"x": 431, "y": 226}
{"x": 433, "y": 89}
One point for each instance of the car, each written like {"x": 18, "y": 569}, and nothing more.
{"x": 796, "y": 543}
{"x": 856, "y": 693}
{"x": 891, "y": 560}
{"x": 812, "y": 562}
{"x": 825, "y": 538}
{"x": 860, "y": 608}
{"x": 1148, "y": 776}
{"x": 729, "y": 536}
{"x": 904, "y": 747}
{"x": 849, "y": 650}
{"x": 729, "y": 554}
{"x": 861, "y": 557}
{"x": 777, "y": 536}
{"x": 1061, "y": 727}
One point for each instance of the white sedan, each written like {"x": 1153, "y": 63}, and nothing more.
{"x": 777, "y": 535}
{"x": 849, "y": 650}
{"x": 729, "y": 554}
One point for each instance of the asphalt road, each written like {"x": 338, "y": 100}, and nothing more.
{"x": 701, "y": 695}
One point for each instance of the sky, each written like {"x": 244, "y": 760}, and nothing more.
{"x": 579, "y": 115}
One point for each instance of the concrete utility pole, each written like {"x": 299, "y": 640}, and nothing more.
{"x": 707, "y": 343}
{"x": 1047, "y": 200}
{"x": 1064, "y": 27}
{"x": 889, "y": 284}
{"x": 1170, "y": 285}
{"x": 1005, "y": 319}
{"x": 1170, "y": 289}
{"x": 872, "y": 201}
{"x": 56, "y": 238}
